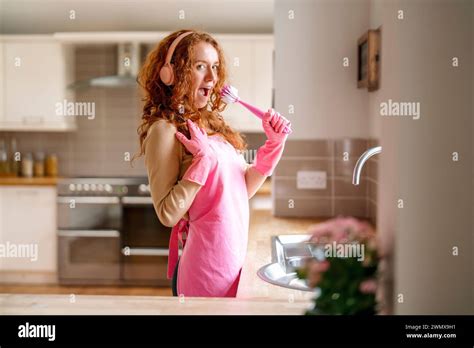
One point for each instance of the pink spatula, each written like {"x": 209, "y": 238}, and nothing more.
{"x": 230, "y": 95}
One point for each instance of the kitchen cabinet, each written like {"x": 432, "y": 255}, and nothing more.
{"x": 250, "y": 66}
{"x": 28, "y": 220}
{"x": 2, "y": 79}
{"x": 34, "y": 79}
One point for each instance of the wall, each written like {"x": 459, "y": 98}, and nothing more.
{"x": 330, "y": 113}
{"x": 416, "y": 162}
{"x": 309, "y": 72}
{"x": 382, "y": 14}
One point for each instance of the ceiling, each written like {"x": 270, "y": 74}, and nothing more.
{"x": 217, "y": 16}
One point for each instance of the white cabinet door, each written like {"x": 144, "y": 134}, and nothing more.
{"x": 34, "y": 82}
{"x": 2, "y": 81}
{"x": 249, "y": 63}
{"x": 28, "y": 228}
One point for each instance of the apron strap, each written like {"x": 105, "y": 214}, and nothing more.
{"x": 176, "y": 236}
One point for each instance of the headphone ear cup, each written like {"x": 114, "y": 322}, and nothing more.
{"x": 166, "y": 74}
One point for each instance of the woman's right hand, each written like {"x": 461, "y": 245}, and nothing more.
{"x": 198, "y": 145}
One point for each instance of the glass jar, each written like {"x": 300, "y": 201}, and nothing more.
{"x": 14, "y": 163}
{"x": 4, "y": 167}
{"x": 51, "y": 164}
{"x": 27, "y": 165}
{"x": 39, "y": 165}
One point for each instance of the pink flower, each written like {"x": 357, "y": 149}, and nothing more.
{"x": 326, "y": 232}
{"x": 315, "y": 270}
{"x": 341, "y": 229}
{"x": 368, "y": 286}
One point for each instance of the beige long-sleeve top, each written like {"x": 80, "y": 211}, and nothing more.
{"x": 166, "y": 163}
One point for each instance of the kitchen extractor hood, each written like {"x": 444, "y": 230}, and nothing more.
{"x": 128, "y": 62}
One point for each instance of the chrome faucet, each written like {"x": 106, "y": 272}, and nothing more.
{"x": 361, "y": 161}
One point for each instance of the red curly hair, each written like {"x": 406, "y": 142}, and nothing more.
{"x": 176, "y": 103}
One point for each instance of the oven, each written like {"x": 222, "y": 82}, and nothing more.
{"x": 108, "y": 233}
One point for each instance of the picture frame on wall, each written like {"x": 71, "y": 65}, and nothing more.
{"x": 368, "y": 60}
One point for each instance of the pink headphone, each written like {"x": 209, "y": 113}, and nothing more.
{"x": 166, "y": 72}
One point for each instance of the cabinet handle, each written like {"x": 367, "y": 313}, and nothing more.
{"x": 137, "y": 200}
{"x": 33, "y": 119}
{"x": 89, "y": 233}
{"x": 88, "y": 200}
{"x": 27, "y": 192}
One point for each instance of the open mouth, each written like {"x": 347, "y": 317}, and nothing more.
{"x": 204, "y": 91}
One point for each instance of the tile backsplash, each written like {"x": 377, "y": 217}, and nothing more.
{"x": 336, "y": 157}
{"x": 100, "y": 146}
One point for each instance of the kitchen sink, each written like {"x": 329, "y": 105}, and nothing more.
{"x": 289, "y": 252}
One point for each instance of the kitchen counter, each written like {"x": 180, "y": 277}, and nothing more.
{"x": 44, "y": 181}
{"x": 21, "y": 304}
{"x": 266, "y": 188}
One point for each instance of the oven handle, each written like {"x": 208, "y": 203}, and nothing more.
{"x": 145, "y": 251}
{"x": 89, "y": 200}
{"x": 89, "y": 233}
{"x": 137, "y": 200}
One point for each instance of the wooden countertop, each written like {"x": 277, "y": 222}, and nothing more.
{"x": 266, "y": 188}
{"x": 44, "y": 181}
{"x": 21, "y": 304}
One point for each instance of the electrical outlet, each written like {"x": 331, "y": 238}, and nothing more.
{"x": 306, "y": 179}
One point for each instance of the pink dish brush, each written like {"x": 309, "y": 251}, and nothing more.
{"x": 230, "y": 95}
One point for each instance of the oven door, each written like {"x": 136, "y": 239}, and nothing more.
{"x": 89, "y": 256}
{"x": 89, "y": 239}
{"x": 144, "y": 243}
{"x": 89, "y": 213}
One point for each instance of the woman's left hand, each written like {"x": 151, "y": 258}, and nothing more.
{"x": 273, "y": 125}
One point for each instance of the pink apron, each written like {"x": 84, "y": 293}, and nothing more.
{"x": 217, "y": 231}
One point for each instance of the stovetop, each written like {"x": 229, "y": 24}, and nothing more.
{"x": 104, "y": 186}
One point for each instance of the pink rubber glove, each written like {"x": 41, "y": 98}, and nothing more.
{"x": 269, "y": 154}
{"x": 203, "y": 156}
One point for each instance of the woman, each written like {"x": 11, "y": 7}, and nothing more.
{"x": 199, "y": 181}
